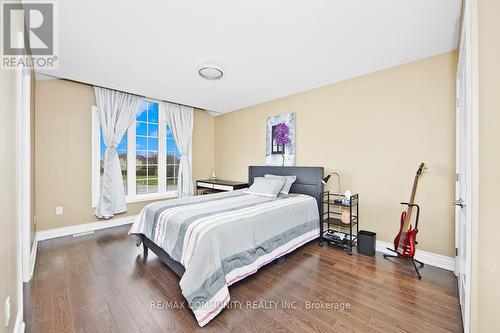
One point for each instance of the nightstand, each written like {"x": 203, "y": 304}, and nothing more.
{"x": 337, "y": 233}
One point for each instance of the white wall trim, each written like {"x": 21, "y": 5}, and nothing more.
{"x": 19, "y": 325}
{"x": 86, "y": 227}
{"x": 34, "y": 249}
{"x": 429, "y": 258}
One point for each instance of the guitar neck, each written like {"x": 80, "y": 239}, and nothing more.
{"x": 414, "y": 190}
{"x": 411, "y": 202}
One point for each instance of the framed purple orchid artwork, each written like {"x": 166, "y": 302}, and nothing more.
{"x": 280, "y": 140}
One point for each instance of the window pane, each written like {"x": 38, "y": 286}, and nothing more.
{"x": 122, "y": 157}
{"x": 170, "y": 158}
{"x": 152, "y": 178}
{"x": 147, "y": 148}
{"x": 101, "y": 144}
{"x": 142, "y": 114}
{"x": 170, "y": 171}
{"x": 153, "y": 131}
{"x": 141, "y": 129}
{"x": 141, "y": 143}
{"x": 125, "y": 187}
{"x": 153, "y": 112}
{"x": 171, "y": 184}
{"x": 152, "y": 157}
{"x": 152, "y": 144}
{"x": 140, "y": 188}
{"x": 123, "y": 143}
{"x": 152, "y": 175}
{"x": 171, "y": 146}
{"x": 141, "y": 180}
{"x": 124, "y": 178}
{"x": 140, "y": 158}
{"x": 173, "y": 159}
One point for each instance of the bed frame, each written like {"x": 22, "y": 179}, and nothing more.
{"x": 308, "y": 182}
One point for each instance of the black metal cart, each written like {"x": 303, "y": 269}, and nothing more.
{"x": 333, "y": 207}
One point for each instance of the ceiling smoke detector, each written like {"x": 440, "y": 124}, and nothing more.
{"x": 210, "y": 72}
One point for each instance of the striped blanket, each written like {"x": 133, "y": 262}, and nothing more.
{"x": 222, "y": 238}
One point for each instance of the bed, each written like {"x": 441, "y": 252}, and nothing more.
{"x": 213, "y": 241}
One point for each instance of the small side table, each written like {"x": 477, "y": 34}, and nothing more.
{"x": 332, "y": 211}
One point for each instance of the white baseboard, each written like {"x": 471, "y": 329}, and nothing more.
{"x": 34, "y": 248}
{"x": 429, "y": 258}
{"x": 19, "y": 325}
{"x": 86, "y": 227}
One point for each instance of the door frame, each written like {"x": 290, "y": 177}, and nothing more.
{"x": 25, "y": 171}
{"x": 463, "y": 159}
{"x": 23, "y": 188}
{"x": 469, "y": 40}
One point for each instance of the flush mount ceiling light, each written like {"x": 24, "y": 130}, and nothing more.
{"x": 210, "y": 72}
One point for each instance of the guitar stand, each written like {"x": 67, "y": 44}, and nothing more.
{"x": 413, "y": 260}
{"x": 398, "y": 256}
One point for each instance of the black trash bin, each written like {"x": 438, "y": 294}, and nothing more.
{"x": 366, "y": 242}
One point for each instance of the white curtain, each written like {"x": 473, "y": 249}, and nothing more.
{"x": 117, "y": 110}
{"x": 180, "y": 118}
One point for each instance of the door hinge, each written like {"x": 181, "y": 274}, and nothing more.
{"x": 456, "y": 251}
{"x": 456, "y": 177}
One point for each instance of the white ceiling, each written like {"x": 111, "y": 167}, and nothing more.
{"x": 267, "y": 48}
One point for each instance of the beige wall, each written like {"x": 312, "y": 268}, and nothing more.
{"x": 63, "y": 153}
{"x": 487, "y": 276}
{"x": 374, "y": 130}
{"x": 8, "y": 195}
{"x": 203, "y": 145}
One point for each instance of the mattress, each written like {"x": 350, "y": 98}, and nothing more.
{"x": 222, "y": 238}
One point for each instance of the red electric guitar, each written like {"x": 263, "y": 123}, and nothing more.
{"x": 404, "y": 243}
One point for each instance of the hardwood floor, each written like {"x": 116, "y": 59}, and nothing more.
{"x": 101, "y": 283}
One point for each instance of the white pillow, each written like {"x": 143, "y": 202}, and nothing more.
{"x": 266, "y": 187}
{"x": 289, "y": 180}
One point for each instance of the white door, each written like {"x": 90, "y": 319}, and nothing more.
{"x": 463, "y": 176}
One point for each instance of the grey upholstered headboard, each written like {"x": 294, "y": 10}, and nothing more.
{"x": 308, "y": 179}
